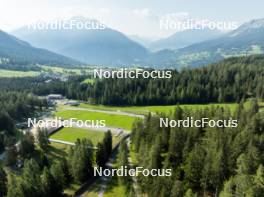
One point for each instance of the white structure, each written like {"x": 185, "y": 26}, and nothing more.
{"x": 54, "y": 97}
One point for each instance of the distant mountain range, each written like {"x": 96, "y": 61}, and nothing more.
{"x": 184, "y": 38}
{"x": 92, "y": 46}
{"x": 246, "y": 40}
{"x": 142, "y": 40}
{"x": 20, "y": 52}
{"x": 109, "y": 47}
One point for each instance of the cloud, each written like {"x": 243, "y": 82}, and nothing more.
{"x": 141, "y": 13}
{"x": 89, "y": 12}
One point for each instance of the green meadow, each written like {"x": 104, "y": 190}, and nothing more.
{"x": 111, "y": 120}
{"x": 72, "y": 134}
{"x": 12, "y": 73}
{"x": 156, "y": 109}
{"x": 88, "y": 81}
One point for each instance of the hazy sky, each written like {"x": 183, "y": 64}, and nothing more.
{"x": 133, "y": 17}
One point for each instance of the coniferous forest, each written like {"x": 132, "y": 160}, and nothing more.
{"x": 225, "y": 162}
{"x": 230, "y": 80}
{"x": 206, "y": 161}
{"x": 131, "y": 98}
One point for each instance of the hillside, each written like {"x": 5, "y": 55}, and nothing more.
{"x": 184, "y": 39}
{"x": 246, "y": 40}
{"x": 15, "y": 51}
{"x": 92, "y": 46}
{"x": 230, "y": 80}
{"x": 108, "y": 47}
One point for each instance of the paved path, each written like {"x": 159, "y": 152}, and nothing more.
{"x": 134, "y": 178}
{"x": 62, "y": 142}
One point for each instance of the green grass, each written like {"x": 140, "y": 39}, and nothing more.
{"x": 111, "y": 120}
{"x": 115, "y": 190}
{"x": 72, "y": 134}
{"x": 93, "y": 189}
{"x": 155, "y": 109}
{"x": 57, "y": 151}
{"x": 133, "y": 155}
{"x": 88, "y": 81}
{"x": 12, "y": 73}
{"x": 75, "y": 71}
{"x": 72, "y": 189}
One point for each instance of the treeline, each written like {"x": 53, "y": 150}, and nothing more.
{"x": 230, "y": 80}
{"x": 21, "y": 84}
{"x": 227, "y": 81}
{"x": 18, "y": 67}
{"x": 19, "y": 105}
{"x": 40, "y": 175}
{"x": 206, "y": 161}
{"x": 14, "y": 106}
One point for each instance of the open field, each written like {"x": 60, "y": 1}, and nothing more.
{"x": 88, "y": 81}
{"x": 75, "y": 71}
{"x": 71, "y": 189}
{"x": 155, "y": 109}
{"x": 57, "y": 151}
{"x": 111, "y": 120}
{"x": 72, "y": 134}
{"x": 12, "y": 73}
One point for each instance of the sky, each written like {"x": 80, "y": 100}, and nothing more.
{"x": 132, "y": 17}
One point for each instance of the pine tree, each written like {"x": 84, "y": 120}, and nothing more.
{"x": 194, "y": 166}
{"x": 42, "y": 139}
{"x": 30, "y": 181}
{"x": 177, "y": 189}
{"x": 259, "y": 181}
{"x": 3, "y": 182}
{"x": 48, "y": 184}
{"x": 190, "y": 193}
{"x": 81, "y": 160}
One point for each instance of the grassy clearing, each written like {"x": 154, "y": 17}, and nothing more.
{"x": 155, "y": 109}
{"x": 70, "y": 191}
{"x": 88, "y": 81}
{"x": 72, "y": 134}
{"x": 12, "y": 73}
{"x": 75, "y": 71}
{"x": 111, "y": 120}
{"x": 57, "y": 151}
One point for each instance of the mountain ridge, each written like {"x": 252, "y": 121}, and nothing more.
{"x": 19, "y": 51}
{"x": 93, "y": 46}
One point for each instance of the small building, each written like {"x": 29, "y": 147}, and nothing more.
{"x": 73, "y": 103}
{"x": 54, "y": 97}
